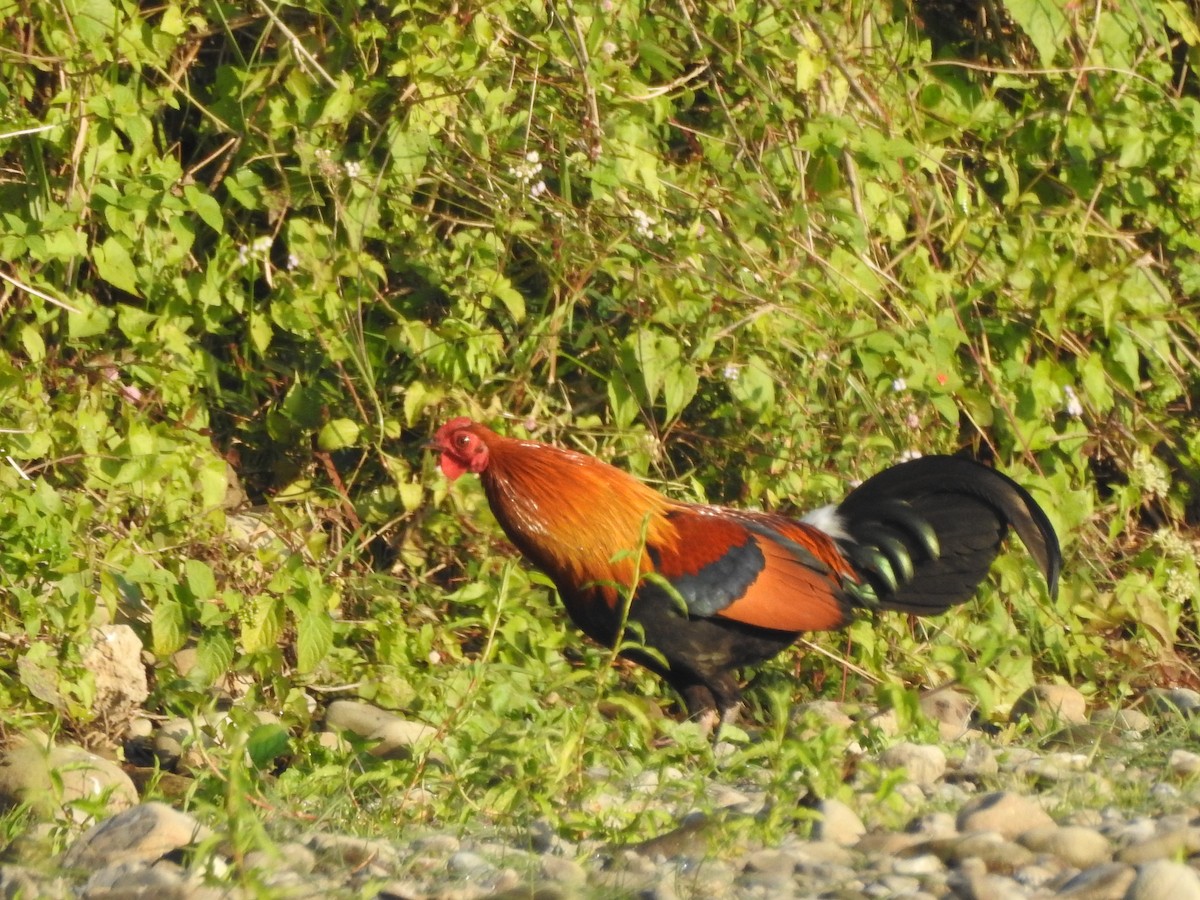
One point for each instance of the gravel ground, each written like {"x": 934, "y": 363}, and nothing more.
{"x": 980, "y": 823}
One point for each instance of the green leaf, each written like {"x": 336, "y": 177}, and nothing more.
{"x": 214, "y": 654}
{"x": 261, "y": 629}
{"x": 266, "y": 743}
{"x": 90, "y": 321}
{"x": 205, "y": 206}
{"x": 1045, "y": 23}
{"x": 679, "y": 388}
{"x": 338, "y": 434}
{"x": 114, "y": 265}
{"x": 200, "y": 580}
{"x": 754, "y": 386}
{"x": 260, "y": 331}
{"x": 314, "y": 638}
{"x": 168, "y": 627}
{"x": 31, "y": 340}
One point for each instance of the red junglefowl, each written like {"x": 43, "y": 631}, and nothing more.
{"x": 715, "y": 589}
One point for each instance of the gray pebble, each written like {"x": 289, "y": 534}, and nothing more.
{"x": 951, "y": 709}
{"x": 1132, "y": 721}
{"x": 838, "y": 824}
{"x": 1171, "y": 702}
{"x": 50, "y": 776}
{"x": 1107, "y": 882}
{"x": 1165, "y": 880}
{"x": 142, "y": 834}
{"x": 135, "y": 880}
{"x": 1004, "y": 812}
{"x": 563, "y": 871}
{"x": 924, "y": 763}
{"x": 1184, "y": 763}
{"x": 1079, "y": 847}
{"x": 1050, "y": 706}
{"x": 1167, "y": 845}
{"x": 357, "y": 717}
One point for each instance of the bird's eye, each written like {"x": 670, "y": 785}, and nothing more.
{"x": 462, "y": 439}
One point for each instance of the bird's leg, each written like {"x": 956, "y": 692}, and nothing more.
{"x": 712, "y": 705}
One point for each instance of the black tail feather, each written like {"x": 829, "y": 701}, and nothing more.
{"x": 965, "y": 507}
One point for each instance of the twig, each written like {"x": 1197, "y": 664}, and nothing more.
{"x": 61, "y": 304}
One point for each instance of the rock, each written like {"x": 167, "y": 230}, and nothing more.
{"x": 775, "y": 862}
{"x": 933, "y": 825}
{"x": 978, "y": 762}
{"x": 838, "y": 824}
{"x": 398, "y": 738}
{"x": 136, "y": 880}
{"x": 1170, "y": 844}
{"x": 924, "y": 763}
{"x": 114, "y": 658}
{"x": 1165, "y": 880}
{"x": 997, "y": 853}
{"x": 817, "y": 853}
{"x": 824, "y": 712}
{"x": 469, "y": 864}
{"x": 1168, "y": 702}
{"x": 887, "y": 843}
{"x": 563, "y": 871}
{"x": 1003, "y": 812}
{"x": 1079, "y": 847}
{"x": 19, "y": 882}
{"x": 970, "y": 883}
{"x": 1184, "y": 763}
{"x": 442, "y": 844}
{"x": 1085, "y": 736}
{"x": 356, "y": 717}
{"x": 139, "y": 727}
{"x": 49, "y": 778}
{"x": 925, "y": 864}
{"x": 951, "y": 709}
{"x": 298, "y": 858}
{"x": 1107, "y": 882}
{"x": 1133, "y": 721}
{"x": 142, "y": 834}
{"x": 690, "y": 839}
{"x": 1050, "y": 706}
{"x": 341, "y": 851}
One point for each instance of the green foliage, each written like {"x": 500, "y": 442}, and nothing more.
{"x": 752, "y": 252}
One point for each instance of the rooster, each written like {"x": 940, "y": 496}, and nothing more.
{"x": 710, "y": 589}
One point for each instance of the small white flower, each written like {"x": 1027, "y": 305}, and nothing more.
{"x": 293, "y": 261}
{"x": 1074, "y": 407}
{"x": 731, "y": 371}
{"x": 528, "y": 170}
{"x": 243, "y": 254}
{"x": 1151, "y": 473}
{"x": 642, "y": 223}
{"x": 261, "y": 245}
{"x": 1179, "y": 586}
{"x": 912, "y": 420}
{"x": 353, "y": 169}
{"x": 538, "y": 189}
{"x": 608, "y": 48}
{"x": 1173, "y": 544}
{"x": 899, "y": 385}
{"x": 910, "y": 455}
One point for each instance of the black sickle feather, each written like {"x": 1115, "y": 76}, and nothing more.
{"x": 937, "y": 523}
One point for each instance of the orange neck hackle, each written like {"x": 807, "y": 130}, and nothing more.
{"x": 579, "y": 519}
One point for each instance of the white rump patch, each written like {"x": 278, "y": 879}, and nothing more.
{"x": 826, "y": 518}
